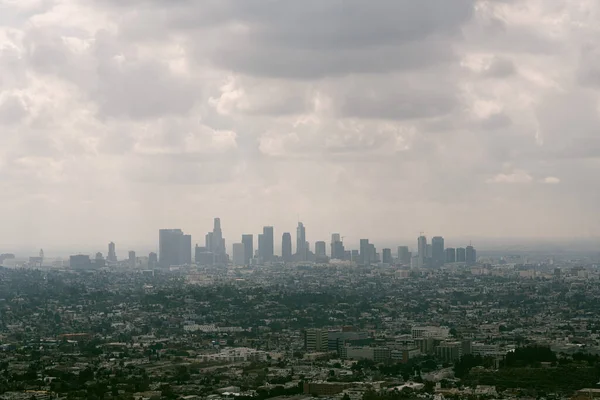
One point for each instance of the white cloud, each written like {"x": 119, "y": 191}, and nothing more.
{"x": 551, "y": 180}
{"x": 514, "y": 177}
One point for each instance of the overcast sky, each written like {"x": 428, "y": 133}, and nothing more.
{"x": 379, "y": 119}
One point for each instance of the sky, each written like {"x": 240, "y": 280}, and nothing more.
{"x": 379, "y": 119}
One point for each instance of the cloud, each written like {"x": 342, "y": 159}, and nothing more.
{"x": 449, "y": 117}
{"x": 514, "y": 177}
{"x": 551, "y": 180}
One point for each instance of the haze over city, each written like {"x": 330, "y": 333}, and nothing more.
{"x": 380, "y": 119}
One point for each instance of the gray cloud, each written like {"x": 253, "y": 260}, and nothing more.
{"x": 463, "y": 117}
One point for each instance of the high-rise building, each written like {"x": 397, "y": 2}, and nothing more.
{"x": 321, "y": 249}
{"x": 248, "y": 241}
{"x": 80, "y": 262}
{"x": 152, "y": 260}
{"x": 373, "y": 253}
{"x": 215, "y": 243}
{"x": 387, "y": 256}
{"x": 404, "y": 255}
{"x": 261, "y": 247}
{"x": 175, "y": 248}
{"x": 437, "y": 251}
{"x": 422, "y": 251}
{"x": 316, "y": 340}
{"x": 461, "y": 255}
{"x": 301, "y": 246}
{"x": 365, "y": 252}
{"x": 286, "y": 247}
{"x": 112, "y": 254}
{"x": 203, "y": 257}
{"x": 239, "y": 254}
{"x": 132, "y": 259}
{"x": 269, "y": 243}
{"x": 337, "y": 247}
{"x": 470, "y": 255}
{"x": 450, "y": 255}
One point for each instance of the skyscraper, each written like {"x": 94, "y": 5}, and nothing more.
{"x": 152, "y": 260}
{"x": 450, "y": 255}
{"x": 112, "y": 254}
{"x": 422, "y": 251}
{"x": 365, "y": 252}
{"x": 321, "y": 249}
{"x": 248, "y": 241}
{"x": 337, "y": 247}
{"x": 286, "y": 247}
{"x": 404, "y": 255}
{"x": 175, "y": 248}
{"x": 239, "y": 254}
{"x": 215, "y": 243}
{"x": 437, "y": 251}
{"x": 470, "y": 255}
{"x": 387, "y": 256}
{"x": 132, "y": 259}
{"x": 261, "y": 247}
{"x": 301, "y": 248}
{"x": 461, "y": 254}
{"x": 269, "y": 243}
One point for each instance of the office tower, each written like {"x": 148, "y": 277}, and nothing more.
{"x": 112, "y": 254}
{"x": 373, "y": 256}
{"x": 450, "y": 255}
{"x": 470, "y": 255}
{"x": 175, "y": 248}
{"x": 337, "y": 247}
{"x": 203, "y": 257}
{"x": 286, "y": 247}
{"x": 422, "y": 251}
{"x": 461, "y": 255}
{"x": 301, "y": 247}
{"x": 429, "y": 251}
{"x": 321, "y": 249}
{"x": 80, "y": 262}
{"x": 152, "y": 260}
{"x": 215, "y": 243}
{"x": 437, "y": 251}
{"x": 239, "y": 254}
{"x": 261, "y": 247}
{"x": 248, "y": 241}
{"x": 355, "y": 256}
{"x": 316, "y": 340}
{"x": 365, "y": 252}
{"x": 347, "y": 255}
{"x": 132, "y": 259}
{"x": 404, "y": 255}
{"x": 387, "y": 256}
{"x": 268, "y": 243}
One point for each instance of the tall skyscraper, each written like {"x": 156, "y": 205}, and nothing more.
{"x": 437, "y": 251}
{"x": 152, "y": 260}
{"x": 261, "y": 247}
{"x": 422, "y": 251}
{"x": 404, "y": 255}
{"x": 269, "y": 243}
{"x": 286, "y": 247}
{"x": 470, "y": 255}
{"x": 321, "y": 249}
{"x": 132, "y": 259}
{"x": 301, "y": 247}
{"x": 112, "y": 254}
{"x": 365, "y": 252}
{"x": 387, "y": 256}
{"x": 215, "y": 243}
{"x": 175, "y": 248}
{"x": 450, "y": 255}
{"x": 239, "y": 254}
{"x": 337, "y": 247}
{"x": 248, "y": 241}
{"x": 461, "y": 255}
